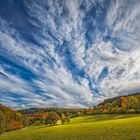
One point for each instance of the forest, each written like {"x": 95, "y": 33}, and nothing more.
{"x": 119, "y": 105}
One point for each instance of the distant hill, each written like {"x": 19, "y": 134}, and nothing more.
{"x": 117, "y": 105}
{"x": 9, "y": 119}
{"x": 57, "y": 110}
{"x": 4, "y": 109}
{"x": 110, "y": 100}
{"x": 121, "y": 104}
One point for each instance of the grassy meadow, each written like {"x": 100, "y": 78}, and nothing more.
{"x": 95, "y": 127}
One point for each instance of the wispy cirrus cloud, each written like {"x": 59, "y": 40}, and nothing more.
{"x": 68, "y": 53}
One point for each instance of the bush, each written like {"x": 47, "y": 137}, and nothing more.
{"x": 52, "y": 118}
{"x": 121, "y": 110}
{"x": 63, "y": 118}
{"x": 131, "y": 111}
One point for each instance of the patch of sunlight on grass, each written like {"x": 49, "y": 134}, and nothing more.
{"x": 96, "y": 127}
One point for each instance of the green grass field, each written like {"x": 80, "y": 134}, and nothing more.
{"x": 97, "y": 127}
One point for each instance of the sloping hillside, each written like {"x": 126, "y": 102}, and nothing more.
{"x": 121, "y": 104}
{"x": 9, "y": 119}
{"x": 110, "y": 100}
{"x": 92, "y": 127}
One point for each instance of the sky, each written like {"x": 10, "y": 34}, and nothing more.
{"x": 68, "y": 53}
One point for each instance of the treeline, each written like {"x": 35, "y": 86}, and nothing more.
{"x": 10, "y": 119}
{"x": 72, "y": 111}
{"x": 122, "y": 104}
{"x": 48, "y": 118}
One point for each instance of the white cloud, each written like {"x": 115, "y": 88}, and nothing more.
{"x": 66, "y": 23}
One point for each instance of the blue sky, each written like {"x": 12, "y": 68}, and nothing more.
{"x": 68, "y": 53}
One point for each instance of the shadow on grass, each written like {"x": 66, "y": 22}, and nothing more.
{"x": 38, "y": 127}
{"x": 42, "y": 126}
{"x": 103, "y": 117}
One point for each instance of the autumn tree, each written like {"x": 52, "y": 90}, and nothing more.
{"x": 25, "y": 121}
{"x": 2, "y": 122}
{"x": 52, "y": 119}
{"x": 63, "y": 118}
{"x": 132, "y": 102}
{"x": 124, "y": 102}
{"x": 138, "y": 105}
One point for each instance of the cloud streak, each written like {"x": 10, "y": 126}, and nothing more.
{"x": 68, "y": 53}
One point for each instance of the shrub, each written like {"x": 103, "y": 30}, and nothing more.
{"x": 52, "y": 118}
{"x": 131, "y": 111}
